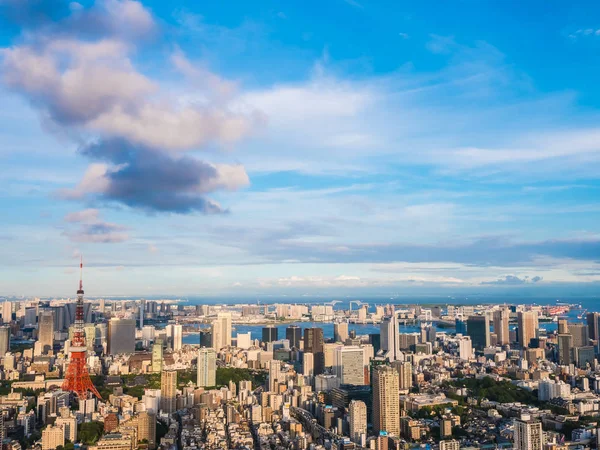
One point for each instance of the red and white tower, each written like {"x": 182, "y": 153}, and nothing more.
{"x": 77, "y": 379}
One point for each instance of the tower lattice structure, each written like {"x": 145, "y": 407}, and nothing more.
{"x": 77, "y": 378}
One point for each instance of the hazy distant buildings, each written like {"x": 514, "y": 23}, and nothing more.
{"x": 121, "y": 336}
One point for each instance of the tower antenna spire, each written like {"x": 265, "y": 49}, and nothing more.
{"x": 81, "y": 273}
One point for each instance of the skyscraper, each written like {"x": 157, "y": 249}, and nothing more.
{"x": 157, "y": 356}
{"x": 293, "y": 334}
{"x": 340, "y": 331}
{"x": 314, "y": 343}
{"x": 478, "y": 328}
{"x": 501, "y": 319}
{"x": 308, "y": 364}
{"x": 386, "y": 404}
{"x": 147, "y": 428}
{"x": 207, "y": 367}
{"x": 528, "y": 325}
{"x": 168, "y": 391}
{"x": 405, "y": 380}
{"x": 348, "y": 365}
{"x": 46, "y": 330}
{"x": 221, "y": 331}
{"x": 580, "y": 334}
{"x": 175, "y": 336}
{"x": 269, "y": 334}
{"x": 563, "y": 326}
{"x": 4, "y": 340}
{"x": 357, "y": 410}
{"x": 465, "y": 348}
{"x": 528, "y": 434}
{"x": 121, "y": 336}
{"x": 274, "y": 374}
{"x": 593, "y": 323}
{"x": 565, "y": 349}
{"x": 6, "y": 311}
{"x": 388, "y": 330}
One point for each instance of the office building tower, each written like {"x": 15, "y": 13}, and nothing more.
{"x": 121, "y": 336}
{"x": 30, "y": 318}
{"x": 357, "y": 411}
{"x": 478, "y": 328}
{"x": 461, "y": 326}
{"x": 274, "y": 374}
{"x": 270, "y": 334}
{"x": 52, "y": 437}
{"x": 206, "y": 337}
{"x": 580, "y": 334}
{"x": 388, "y": 330}
{"x": 528, "y": 434}
{"x": 593, "y": 323}
{"x": 168, "y": 391}
{"x": 349, "y": 365}
{"x": 501, "y": 319}
{"x": 314, "y": 343}
{"x": 584, "y": 356}
{"x": 563, "y": 326}
{"x": 207, "y": 367}
{"x": 221, "y": 331}
{"x": 340, "y": 331}
{"x": 244, "y": 340}
{"x": 308, "y": 364}
{"x": 46, "y": 330}
{"x": 142, "y": 312}
{"x": 4, "y": 340}
{"x": 528, "y": 326}
{"x": 6, "y": 311}
{"x": 157, "y": 356}
{"x": 293, "y": 334}
{"x": 565, "y": 349}
{"x": 386, "y": 404}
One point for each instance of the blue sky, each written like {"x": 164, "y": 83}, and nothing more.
{"x": 270, "y": 148}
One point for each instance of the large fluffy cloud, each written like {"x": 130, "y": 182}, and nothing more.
{"x": 78, "y": 70}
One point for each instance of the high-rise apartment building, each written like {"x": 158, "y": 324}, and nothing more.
{"x": 6, "y": 311}
{"x": 157, "y": 356}
{"x": 563, "y": 326}
{"x": 121, "y": 336}
{"x": 46, "y": 330}
{"x": 465, "y": 348}
{"x": 146, "y": 428}
{"x": 168, "y": 391}
{"x": 52, "y": 437}
{"x": 68, "y": 422}
{"x": 528, "y": 434}
{"x": 357, "y": 411}
{"x": 207, "y": 367}
{"x": 349, "y": 365}
{"x": 174, "y": 336}
{"x": 528, "y": 326}
{"x": 340, "y": 331}
{"x": 405, "y": 374}
{"x": 4, "y": 340}
{"x": 221, "y": 331}
{"x": 478, "y": 328}
{"x": 274, "y": 374}
{"x": 451, "y": 444}
{"x": 501, "y": 320}
{"x": 308, "y": 364}
{"x": 386, "y": 404}
{"x": 314, "y": 343}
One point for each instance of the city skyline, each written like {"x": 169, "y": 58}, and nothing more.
{"x": 266, "y": 149}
